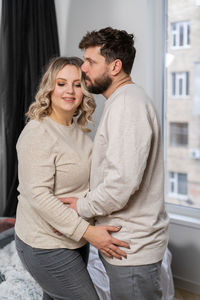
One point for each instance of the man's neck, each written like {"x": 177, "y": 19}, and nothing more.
{"x": 117, "y": 83}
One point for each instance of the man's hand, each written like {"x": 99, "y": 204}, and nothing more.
{"x": 71, "y": 201}
{"x": 100, "y": 238}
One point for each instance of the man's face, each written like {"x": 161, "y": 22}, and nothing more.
{"x": 96, "y": 71}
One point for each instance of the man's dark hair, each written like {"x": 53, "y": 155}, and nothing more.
{"x": 115, "y": 44}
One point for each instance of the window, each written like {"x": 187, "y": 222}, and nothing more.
{"x": 178, "y": 134}
{"x": 178, "y": 185}
{"x": 180, "y": 84}
{"x": 180, "y": 34}
{"x": 182, "y": 122}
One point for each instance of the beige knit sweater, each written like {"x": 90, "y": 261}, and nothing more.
{"x": 54, "y": 161}
{"x": 127, "y": 178}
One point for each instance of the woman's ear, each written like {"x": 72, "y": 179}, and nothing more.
{"x": 116, "y": 67}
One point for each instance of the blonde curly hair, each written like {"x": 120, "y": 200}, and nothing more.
{"x": 42, "y": 106}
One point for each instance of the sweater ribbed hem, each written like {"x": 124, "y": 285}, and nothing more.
{"x": 145, "y": 257}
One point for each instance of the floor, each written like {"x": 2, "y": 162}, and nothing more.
{"x": 184, "y": 295}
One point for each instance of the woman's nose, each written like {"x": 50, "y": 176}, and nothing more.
{"x": 70, "y": 89}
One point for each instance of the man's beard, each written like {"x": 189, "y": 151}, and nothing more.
{"x": 100, "y": 84}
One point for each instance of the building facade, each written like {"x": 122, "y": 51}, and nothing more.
{"x": 183, "y": 103}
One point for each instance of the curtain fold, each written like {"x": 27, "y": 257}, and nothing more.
{"x": 28, "y": 39}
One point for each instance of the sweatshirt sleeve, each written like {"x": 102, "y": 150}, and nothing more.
{"x": 36, "y": 171}
{"x": 128, "y": 141}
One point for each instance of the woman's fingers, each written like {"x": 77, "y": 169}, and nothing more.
{"x": 116, "y": 241}
{"x": 100, "y": 238}
{"x": 106, "y": 253}
{"x": 120, "y": 243}
{"x": 112, "y": 228}
{"x": 117, "y": 251}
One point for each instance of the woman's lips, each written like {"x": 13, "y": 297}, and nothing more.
{"x": 69, "y": 99}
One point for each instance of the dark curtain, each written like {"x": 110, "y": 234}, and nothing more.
{"x": 28, "y": 40}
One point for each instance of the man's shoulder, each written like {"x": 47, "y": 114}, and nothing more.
{"x": 133, "y": 96}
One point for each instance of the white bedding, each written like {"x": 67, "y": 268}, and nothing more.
{"x": 19, "y": 285}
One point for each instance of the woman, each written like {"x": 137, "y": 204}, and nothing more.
{"x": 54, "y": 161}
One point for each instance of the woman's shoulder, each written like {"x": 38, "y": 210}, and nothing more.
{"x": 33, "y": 133}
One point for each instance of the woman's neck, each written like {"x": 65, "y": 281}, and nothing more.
{"x": 64, "y": 119}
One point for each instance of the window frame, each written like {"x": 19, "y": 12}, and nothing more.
{"x": 184, "y": 213}
{"x": 184, "y": 76}
{"x": 175, "y": 33}
{"x": 178, "y": 134}
{"x": 175, "y": 181}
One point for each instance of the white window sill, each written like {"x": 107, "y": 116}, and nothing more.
{"x": 174, "y": 195}
{"x": 184, "y": 216}
{"x": 181, "y": 47}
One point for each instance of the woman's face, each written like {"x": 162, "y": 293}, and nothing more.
{"x": 67, "y": 94}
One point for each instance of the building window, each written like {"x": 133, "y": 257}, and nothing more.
{"x": 180, "y": 84}
{"x": 178, "y": 185}
{"x": 178, "y": 134}
{"x": 180, "y": 34}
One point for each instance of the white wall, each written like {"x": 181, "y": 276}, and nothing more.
{"x": 75, "y": 18}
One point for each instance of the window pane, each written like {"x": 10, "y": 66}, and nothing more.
{"x": 180, "y": 86}
{"x": 182, "y": 184}
{"x": 173, "y": 84}
{"x": 181, "y": 36}
{"x": 188, "y": 34}
{"x": 187, "y": 83}
{"x": 172, "y": 187}
{"x": 173, "y": 26}
{"x": 182, "y": 125}
{"x": 178, "y": 134}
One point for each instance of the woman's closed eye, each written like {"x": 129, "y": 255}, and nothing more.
{"x": 60, "y": 83}
{"x": 77, "y": 85}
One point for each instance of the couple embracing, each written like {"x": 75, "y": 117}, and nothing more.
{"x": 109, "y": 194}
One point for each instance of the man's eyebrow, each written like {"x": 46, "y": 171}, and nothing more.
{"x": 89, "y": 59}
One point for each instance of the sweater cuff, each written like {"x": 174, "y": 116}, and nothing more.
{"x": 80, "y": 230}
{"x": 83, "y": 208}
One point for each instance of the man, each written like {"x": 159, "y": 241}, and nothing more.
{"x": 127, "y": 168}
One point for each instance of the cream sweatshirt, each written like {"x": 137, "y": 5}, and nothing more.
{"x": 127, "y": 178}
{"x": 53, "y": 162}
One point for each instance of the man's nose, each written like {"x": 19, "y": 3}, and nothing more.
{"x": 84, "y": 67}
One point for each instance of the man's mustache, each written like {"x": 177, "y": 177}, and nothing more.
{"x": 85, "y": 77}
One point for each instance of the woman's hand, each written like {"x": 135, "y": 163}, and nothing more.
{"x": 100, "y": 238}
